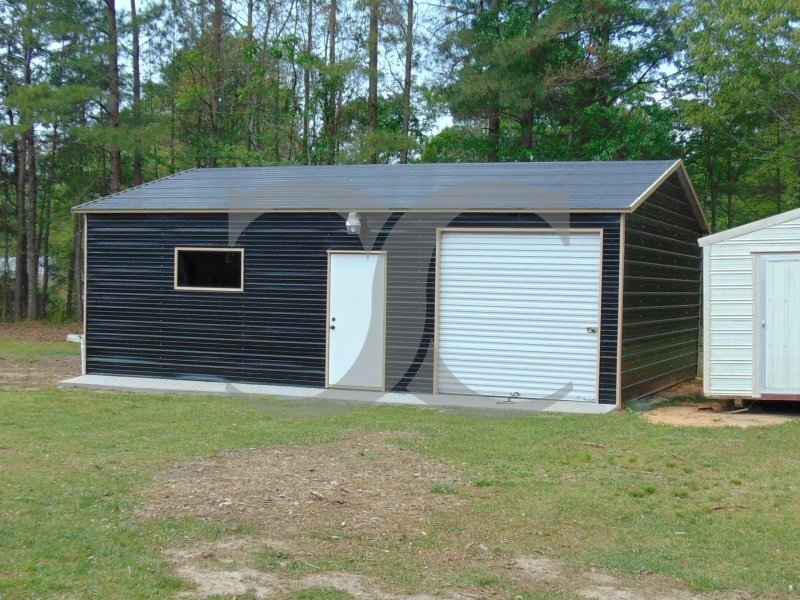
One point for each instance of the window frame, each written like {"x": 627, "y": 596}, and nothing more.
{"x": 179, "y": 249}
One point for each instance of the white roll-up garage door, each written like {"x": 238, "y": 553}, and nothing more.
{"x": 519, "y": 312}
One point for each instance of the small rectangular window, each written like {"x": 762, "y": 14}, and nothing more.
{"x": 212, "y": 269}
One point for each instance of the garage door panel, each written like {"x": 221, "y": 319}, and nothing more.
{"x": 516, "y": 312}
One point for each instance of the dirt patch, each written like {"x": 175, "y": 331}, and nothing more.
{"x": 691, "y": 388}
{"x": 362, "y": 484}
{"x": 696, "y": 411}
{"x": 46, "y": 371}
{"x": 701, "y": 415}
{"x": 34, "y": 331}
{"x": 224, "y": 569}
{"x": 314, "y": 512}
{"x": 42, "y": 366}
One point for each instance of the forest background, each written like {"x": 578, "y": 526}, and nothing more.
{"x": 101, "y": 95}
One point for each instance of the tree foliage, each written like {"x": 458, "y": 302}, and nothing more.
{"x": 256, "y": 82}
{"x": 740, "y": 98}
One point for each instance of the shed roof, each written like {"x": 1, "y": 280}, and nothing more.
{"x": 610, "y": 186}
{"x": 751, "y": 227}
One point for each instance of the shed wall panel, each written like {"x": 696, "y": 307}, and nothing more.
{"x": 274, "y": 331}
{"x": 661, "y": 295}
{"x": 730, "y": 303}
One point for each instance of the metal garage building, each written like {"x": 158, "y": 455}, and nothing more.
{"x": 578, "y": 281}
{"x": 752, "y": 310}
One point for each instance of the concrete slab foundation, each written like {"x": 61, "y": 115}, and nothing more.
{"x": 181, "y": 386}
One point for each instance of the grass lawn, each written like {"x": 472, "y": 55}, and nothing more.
{"x": 696, "y": 509}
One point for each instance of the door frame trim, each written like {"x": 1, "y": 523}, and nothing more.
{"x": 382, "y": 387}
{"x": 440, "y": 231}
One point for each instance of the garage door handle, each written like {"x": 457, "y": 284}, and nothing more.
{"x": 591, "y": 330}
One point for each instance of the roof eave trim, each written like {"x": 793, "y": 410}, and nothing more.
{"x": 209, "y": 211}
{"x": 751, "y": 227}
{"x": 676, "y": 167}
{"x": 82, "y": 208}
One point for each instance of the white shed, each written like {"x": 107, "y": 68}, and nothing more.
{"x": 751, "y": 310}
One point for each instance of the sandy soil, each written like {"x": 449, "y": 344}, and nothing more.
{"x": 702, "y": 413}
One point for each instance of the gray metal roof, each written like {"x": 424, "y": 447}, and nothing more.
{"x": 578, "y": 186}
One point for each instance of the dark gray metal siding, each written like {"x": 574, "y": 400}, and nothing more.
{"x": 661, "y": 317}
{"x": 274, "y": 332}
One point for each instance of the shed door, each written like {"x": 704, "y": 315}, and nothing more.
{"x": 519, "y": 312}
{"x": 780, "y": 324}
{"x": 356, "y": 319}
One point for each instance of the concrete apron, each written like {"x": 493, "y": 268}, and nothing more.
{"x": 181, "y": 386}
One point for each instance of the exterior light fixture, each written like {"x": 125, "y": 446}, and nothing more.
{"x": 353, "y": 224}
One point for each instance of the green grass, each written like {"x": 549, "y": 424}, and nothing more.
{"x": 27, "y": 350}
{"x": 718, "y": 509}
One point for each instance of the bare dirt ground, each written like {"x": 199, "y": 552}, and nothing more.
{"x": 307, "y": 508}
{"x": 23, "y": 371}
{"x": 702, "y": 413}
{"x": 33, "y": 331}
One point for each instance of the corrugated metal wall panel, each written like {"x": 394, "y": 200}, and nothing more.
{"x": 661, "y": 297}
{"x": 514, "y": 309}
{"x": 274, "y": 332}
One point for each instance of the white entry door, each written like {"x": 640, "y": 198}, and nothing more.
{"x": 356, "y": 319}
{"x": 518, "y": 314}
{"x": 779, "y": 344}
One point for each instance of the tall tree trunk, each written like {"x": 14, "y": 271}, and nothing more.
{"x": 25, "y": 222}
{"x": 5, "y": 218}
{"x": 331, "y": 112}
{"x": 528, "y": 114}
{"x": 409, "y": 60}
{"x": 114, "y": 101}
{"x": 78, "y": 269}
{"x": 30, "y": 227}
{"x": 729, "y": 191}
{"x": 251, "y": 100}
{"x": 526, "y": 126}
{"x": 5, "y": 276}
{"x": 711, "y": 179}
{"x": 493, "y": 150}
{"x": 292, "y": 150}
{"x": 276, "y": 111}
{"x": 21, "y": 265}
{"x": 307, "y": 80}
{"x": 44, "y": 232}
{"x": 71, "y": 270}
{"x": 372, "y": 95}
{"x": 777, "y": 172}
{"x": 216, "y": 80}
{"x": 137, "y": 96}
{"x": 493, "y": 118}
